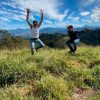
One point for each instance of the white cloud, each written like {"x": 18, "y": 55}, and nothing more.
{"x": 14, "y": 14}
{"x": 11, "y": 16}
{"x": 87, "y": 2}
{"x": 66, "y": 23}
{"x": 48, "y": 21}
{"x": 61, "y": 24}
{"x": 5, "y": 3}
{"x": 52, "y": 11}
{"x": 3, "y": 12}
{"x": 11, "y": 4}
{"x": 75, "y": 18}
{"x": 5, "y": 19}
{"x": 49, "y": 6}
{"x": 84, "y": 13}
{"x": 72, "y": 18}
{"x": 86, "y": 21}
{"x": 9, "y": 11}
{"x": 95, "y": 16}
{"x": 71, "y": 15}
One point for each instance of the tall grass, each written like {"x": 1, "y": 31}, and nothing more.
{"x": 50, "y": 74}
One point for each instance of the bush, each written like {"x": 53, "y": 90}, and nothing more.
{"x": 49, "y": 88}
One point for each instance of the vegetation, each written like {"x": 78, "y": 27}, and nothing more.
{"x": 91, "y": 38}
{"x": 52, "y": 40}
{"x": 10, "y": 42}
{"x": 58, "y": 40}
{"x": 50, "y": 74}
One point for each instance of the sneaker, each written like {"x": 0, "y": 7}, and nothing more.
{"x": 71, "y": 52}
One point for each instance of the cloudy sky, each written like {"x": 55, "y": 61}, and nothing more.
{"x": 57, "y": 13}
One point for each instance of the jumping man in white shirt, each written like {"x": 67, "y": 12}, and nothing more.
{"x": 34, "y": 32}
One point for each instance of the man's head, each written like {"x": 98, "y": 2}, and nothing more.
{"x": 70, "y": 28}
{"x": 35, "y": 23}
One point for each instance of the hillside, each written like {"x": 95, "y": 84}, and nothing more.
{"x": 50, "y": 74}
{"x": 59, "y": 41}
{"x": 56, "y": 40}
{"x": 89, "y": 38}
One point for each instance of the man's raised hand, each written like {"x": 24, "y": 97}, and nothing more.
{"x": 28, "y": 10}
{"x": 41, "y": 11}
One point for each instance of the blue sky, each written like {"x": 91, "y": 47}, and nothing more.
{"x": 57, "y": 13}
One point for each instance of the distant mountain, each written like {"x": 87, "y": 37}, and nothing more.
{"x": 93, "y": 27}
{"x": 48, "y": 30}
{"x": 20, "y": 32}
{"x": 25, "y": 32}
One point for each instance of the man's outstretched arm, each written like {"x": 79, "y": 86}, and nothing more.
{"x": 42, "y": 16}
{"x": 27, "y": 18}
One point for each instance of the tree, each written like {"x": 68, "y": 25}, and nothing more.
{"x": 6, "y": 39}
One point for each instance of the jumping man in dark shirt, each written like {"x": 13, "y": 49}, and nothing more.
{"x": 74, "y": 38}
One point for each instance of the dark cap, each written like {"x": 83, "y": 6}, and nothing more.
{"x": 69, "y": 27}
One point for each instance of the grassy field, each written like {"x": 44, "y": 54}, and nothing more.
{"x": 50, "y": 74}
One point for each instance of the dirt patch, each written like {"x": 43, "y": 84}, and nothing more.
{"x": 81, "y": 94}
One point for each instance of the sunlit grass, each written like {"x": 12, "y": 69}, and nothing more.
{"x": 50, "y": 74}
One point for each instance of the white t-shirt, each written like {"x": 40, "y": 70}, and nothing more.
{"x": 34, "y": 32}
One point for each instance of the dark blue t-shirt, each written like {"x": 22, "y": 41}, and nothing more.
{"x": 73, "y": 35}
